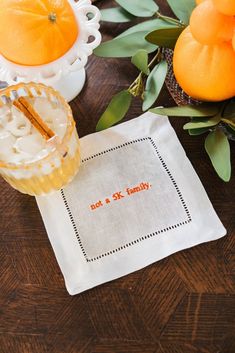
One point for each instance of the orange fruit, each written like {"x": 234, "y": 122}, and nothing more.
{"x": 205, "y": 72}
{"x": 209, "y": 26}
{"x": 227, "y": 7}
{"x": 199, "y": 1}
{"x": 233, "y": 42}
{"x": 36, "y": 32}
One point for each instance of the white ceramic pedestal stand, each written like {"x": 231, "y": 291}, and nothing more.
{"x": 66, "y": 74}
{"x": 71, "y": 85}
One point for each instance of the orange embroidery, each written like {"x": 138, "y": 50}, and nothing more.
{"x": 117, "y": 196}
{"x": 96, "y": 205}
{"x": 144, "y": 186}
{"x": 140, "y": 187}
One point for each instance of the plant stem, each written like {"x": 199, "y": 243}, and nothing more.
{"x": 155, "y": 58}
{"x": 138, "y": 78}
{"x": 170, "y": 19}
{"x": 136, "y": 87}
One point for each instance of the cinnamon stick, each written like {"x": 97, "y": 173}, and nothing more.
{"x": 26, "y": 108}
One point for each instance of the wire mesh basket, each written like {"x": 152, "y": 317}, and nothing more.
{"x": 179, "y": 96}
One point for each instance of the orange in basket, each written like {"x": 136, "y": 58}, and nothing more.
{"x": 225, "y": 6}
{"x": 209, "y": 26}
{"x": 205, "y": 72}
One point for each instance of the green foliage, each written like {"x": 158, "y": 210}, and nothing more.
{"x": 125, "y": 46}
{"x": 218, "y": 149}
{"x": 132, "y": 40}
{"x": 140, "y": 60}
{"x": 148, "y": 26}
{"x": 115, "y": 111}
{"x": 154, "y": 84}
{"x": 189, "y": 110}
{"x": 166, "y": 37}
{"x": 204, "y": 118}
{"x": 151, "y": 36}
{"x": 116, "y": 14}
{"x": 182, "y": 9}
{"x": 143, "y": 8}
{"x": 202, "y": 123}
{"x": 199, "y": 131}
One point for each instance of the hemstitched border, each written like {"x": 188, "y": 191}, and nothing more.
{"x": 145, "y": 237}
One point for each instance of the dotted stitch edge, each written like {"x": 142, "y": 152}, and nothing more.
{"x": 189, "y": 218}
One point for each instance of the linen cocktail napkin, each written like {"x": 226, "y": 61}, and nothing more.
{"x": 135, "y": 200}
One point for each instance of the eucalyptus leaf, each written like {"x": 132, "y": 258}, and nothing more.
{"x": 140, "y": 8}
{"x": 115, "y": 111}
{"x": 140, "y": 60}
{"x": 188, "y": 110}
{"x": 196, "y": 132}
{"x": 154, "y": 84}
{"x": 166, "y": 37}
{"x": 147, "y": 26}
{"x": 182, "y": 9}
{"x": 218, "y": 149}
{"x": 116, "y": 14}
{"x": 125, "y": 46}
{"x": 202, "y": 123}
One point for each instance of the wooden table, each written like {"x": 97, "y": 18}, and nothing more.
{"x": 182, "y": 304}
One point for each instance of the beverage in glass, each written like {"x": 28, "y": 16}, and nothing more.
{"x": 39, "y": 144}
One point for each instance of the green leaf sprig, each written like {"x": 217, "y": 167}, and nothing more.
{"x": 154, "y": 84}
{"x": 136, "y": 37}
{"x": 121, "y": 102}
{"x": 116, "y": 110}
{"x": 140, "y": 60}
{"x": 137, "y": 42}
{"x": 218, "y": 149}
{"x": 157, "y": 31}
{"x": 214, "y": 119}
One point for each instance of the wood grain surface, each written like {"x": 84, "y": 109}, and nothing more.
{"x": 182, "y": 304}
